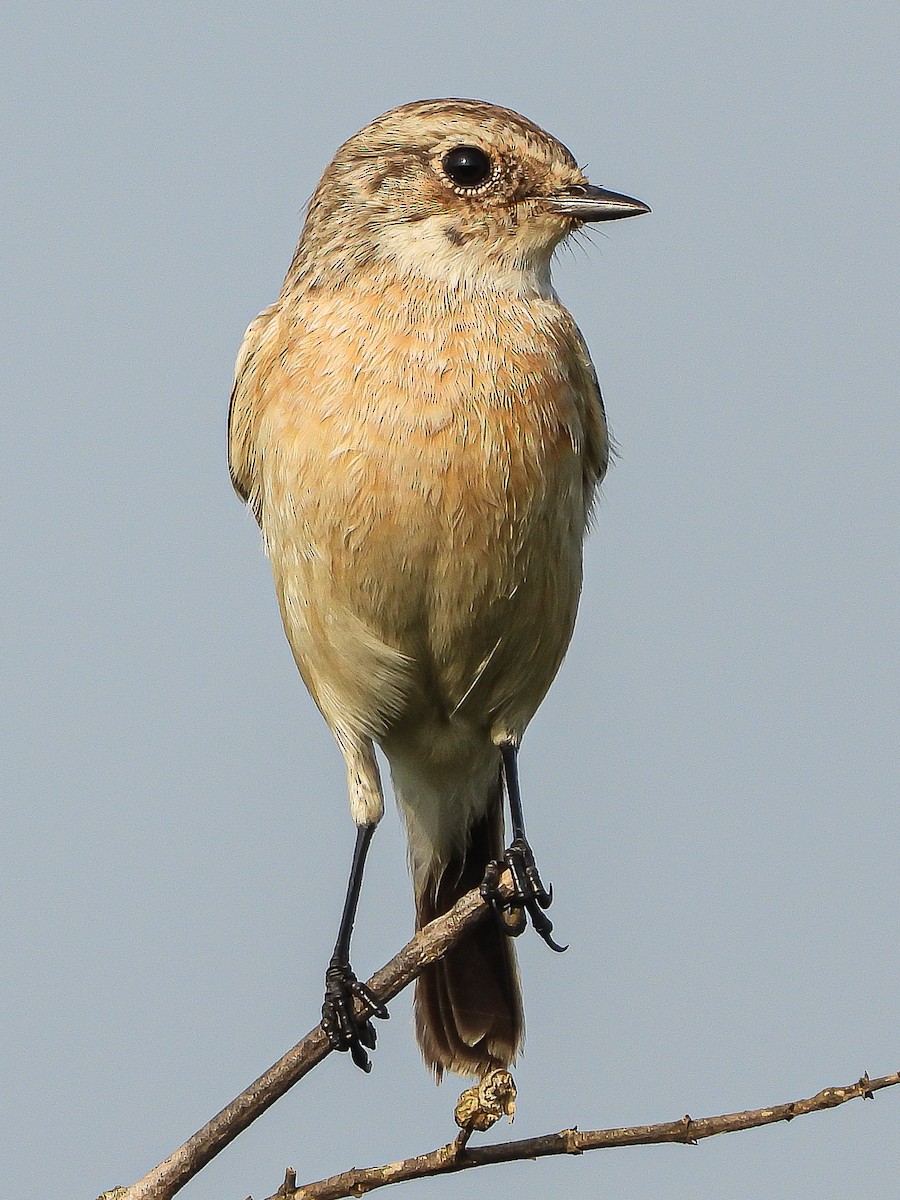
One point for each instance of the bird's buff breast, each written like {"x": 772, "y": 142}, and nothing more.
{"x": 424, "y": 501}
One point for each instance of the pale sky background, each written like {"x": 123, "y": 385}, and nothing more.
{"x": 711, "y": 785}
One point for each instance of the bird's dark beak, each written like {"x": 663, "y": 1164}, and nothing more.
{"x": 585, "y": 202}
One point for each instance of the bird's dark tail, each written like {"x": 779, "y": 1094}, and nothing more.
{"x": 469, "y": 1005}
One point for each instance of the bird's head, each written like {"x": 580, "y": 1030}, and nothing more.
{"x": 453, "y": 190}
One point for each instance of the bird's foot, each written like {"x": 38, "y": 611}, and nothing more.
{"x": 344, "y": 1028}
{"x": 529, "y": 899}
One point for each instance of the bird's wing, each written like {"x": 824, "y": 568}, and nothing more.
{"x": 597, "y": 447}
{"x": 244, "y": 410}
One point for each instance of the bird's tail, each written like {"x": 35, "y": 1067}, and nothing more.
{"x": 469, "y": 1005}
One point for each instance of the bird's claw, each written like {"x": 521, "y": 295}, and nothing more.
{"x": 344, "y": 1028}
{"x": 530, "y": 898}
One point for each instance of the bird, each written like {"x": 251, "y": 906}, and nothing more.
{"x": 417, "y": 426}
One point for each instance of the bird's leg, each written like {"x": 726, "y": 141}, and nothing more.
{"x": 530, "y": 896}
{"x": 344, "y": 1029}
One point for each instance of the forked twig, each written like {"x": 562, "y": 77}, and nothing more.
{"x": 429, "y": 945}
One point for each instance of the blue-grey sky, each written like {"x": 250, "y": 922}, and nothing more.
{"x": 712, "y": 783}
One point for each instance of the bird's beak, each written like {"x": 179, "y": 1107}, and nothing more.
{"x": 585, "y": 202}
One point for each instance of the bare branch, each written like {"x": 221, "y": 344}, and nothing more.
{"x": 459, "y": 1156}
{"x": 430, "y": 944}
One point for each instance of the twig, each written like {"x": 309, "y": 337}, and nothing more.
{"x": 457, "y": 1156}
{"x": 429, "y": 945}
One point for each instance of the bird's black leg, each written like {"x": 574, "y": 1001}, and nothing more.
{"x": 344, "y": 1029}
{"x": 530, "y": 897}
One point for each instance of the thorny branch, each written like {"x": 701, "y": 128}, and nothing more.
{"x": 429, "y": 945}
{"x": 459, "y": 1156}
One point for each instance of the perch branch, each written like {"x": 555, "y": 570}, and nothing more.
{"x": 429, "y": 944}
{"x": 459, "y": 1156}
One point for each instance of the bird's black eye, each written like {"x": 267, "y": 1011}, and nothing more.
{"x": 467, "y": 166}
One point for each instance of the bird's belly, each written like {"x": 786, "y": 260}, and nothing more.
{"x": 425, "y": 526}
{"x": 427, "y": 586}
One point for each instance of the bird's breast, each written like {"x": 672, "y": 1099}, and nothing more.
{"x": 422, "y": 468}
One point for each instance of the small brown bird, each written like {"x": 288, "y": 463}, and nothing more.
{"x": 417, "y": 426}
